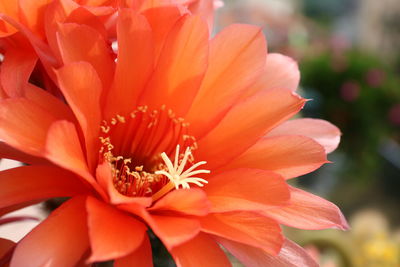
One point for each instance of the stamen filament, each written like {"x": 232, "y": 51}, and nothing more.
{"x": 166, "y": 188}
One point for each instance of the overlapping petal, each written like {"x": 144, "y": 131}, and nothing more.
{"x": 16, "y": 69}
{"x": 82, "y": 88}
{"x": 32, "y": 14}
{"x": 238, "y": 190}
{"x": 63, "y": 147}
{"x": 172, "y": 229}
{"x": 281, "y": 72}
{"x": 307, "y": 211}
{"x": 46, "y": 244}
{"x": 10, "y": 8}
{"x": 19, "y": 116}
{"x": 141, "y": 257}
{"x": 321, "y": 131}
{"x": 288, "y": 155}
{"x": 6, "y": 249}
{"x": 112, "y": 238}
{"x": 246, "y": 123}
{"x": 291, "y": 255}
{"x": 63, "y": 134}
{"x": 198, "y": 252}
{"x": 48, "y": 102}
{"x": 236, "y": 58}
{"x": 161, "y": 20}
{"x": 105, "y": 180}
{"x": 247, "y": 228}
{"x": 180, "y": 67}
{"x": 135, "y": 62}
{"x": 8, "y": 152}
{"x": 36, "y": 183}
{"x": 92, "y": 49}
{"x": 190, "y": 202}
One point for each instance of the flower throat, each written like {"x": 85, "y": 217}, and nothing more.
{"x": 139, "y": 147}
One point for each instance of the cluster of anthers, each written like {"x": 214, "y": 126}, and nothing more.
{"x": 137, "y": 169}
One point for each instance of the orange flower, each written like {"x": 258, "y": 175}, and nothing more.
{"x": 179, "y": 134}
{"x": 34, "y": 14}
{"x": 38, "y": 22}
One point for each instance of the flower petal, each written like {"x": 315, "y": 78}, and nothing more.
{"x": 236, "y": 59}
{"x": 190, "y": 202}
{"x": 291, "y": 255}
{"x": 81, "y": 87}
{"x": 325, "y": 133}
{"x": 83, "y": 16}
{"x": 105, "y": 179}
{"x": 6, "y": 247}
{"x": 101, "y": 10}
{"x": 24, "y": 125}
{"x": 180, "y": 67}
{"x": 281, "y": 72}
{"x": 32, "y": 114}
{"x": 64, "y": 149}
{"x": 161, "y": 20}
{"x": 28, "y": 183}
{"x": 246, "y": 123}
{"x": 112, "y": 233}
{"x": 16, "y": 69}
{"x": 200, "y": 251}
{"x": 49, "y": 244}
{"x": 135, "y": 44}
{"x": 239, "y": 189}
{"x": 289, "y": 156}
{"x": 307, "y": 211}
{"x": 8, "y": 152}
{"x": 10, "y": 8}
{"x": 40, "y": 47}
{"x": 48, "y": 102}
{"x": 56, "y": 13}
{"x": 32, "y": 14}
{"x": 245, "y": 227}
{"x": 172, "y": 230}
{"x": 91, "y": 48}
{"x": 141, "y": 257}
{"x": 204, "y": 8}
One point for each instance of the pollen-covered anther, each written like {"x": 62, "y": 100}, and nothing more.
{"x": 121, "y": 118}
{"x": 176, "y": 174}
{"x": 132, "y": 144}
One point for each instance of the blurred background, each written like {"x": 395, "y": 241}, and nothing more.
{"x": 349, "y": 58}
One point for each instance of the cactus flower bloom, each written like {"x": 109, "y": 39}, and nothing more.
{"x": 177, "y": 133}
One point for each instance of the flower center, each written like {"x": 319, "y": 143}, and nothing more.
{"x": 139, "y": 147}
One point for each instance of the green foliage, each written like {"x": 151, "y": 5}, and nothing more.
{"x": 357, "y": 92}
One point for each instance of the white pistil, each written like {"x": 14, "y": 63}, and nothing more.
{"x": 175, "y": 172}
